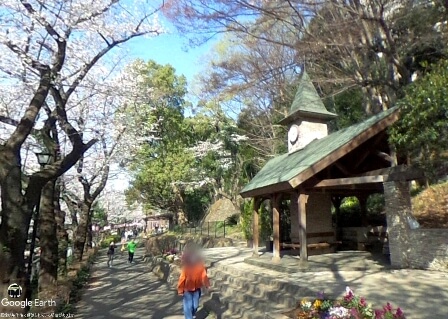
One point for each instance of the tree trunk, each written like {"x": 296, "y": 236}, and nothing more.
{"x": 61, "y": 233}
{"x": 80, "y": 235}
{"x": 13, "y": 228}
{"x": 48, "y": 243}
{"x": 89, "y": 233}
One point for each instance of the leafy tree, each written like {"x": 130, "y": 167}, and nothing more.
{"x": 348, "y": 106}
{"x": 197, "y": 201}
{"x": 161, "y": 159}
{"x": 422, "y": 131}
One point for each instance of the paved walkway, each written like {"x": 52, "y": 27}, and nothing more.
{"x": 127, "y": 291}
{"x": 420, "y": 293}
{"x": 131, "y": 291}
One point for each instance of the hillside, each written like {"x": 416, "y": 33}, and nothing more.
{"x": 431, "y": 206}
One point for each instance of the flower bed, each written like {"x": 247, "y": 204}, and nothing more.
{"x": 172, "y": 256}
{"x": 349, "y": 307}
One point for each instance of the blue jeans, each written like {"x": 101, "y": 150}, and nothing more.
{"x": 191, "y": 303}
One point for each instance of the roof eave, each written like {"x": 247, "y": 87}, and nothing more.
{"x": 381, "y": 125}
{"x": 267, "y": 190}
{"x": 304, "y": 114}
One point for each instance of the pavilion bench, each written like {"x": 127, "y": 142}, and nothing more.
{"x": 321, "y": 245}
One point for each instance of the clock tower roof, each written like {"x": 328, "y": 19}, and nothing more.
{"x": 307, "y": 104}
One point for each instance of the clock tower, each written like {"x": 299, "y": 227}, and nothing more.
{"x": 307, "y": 118}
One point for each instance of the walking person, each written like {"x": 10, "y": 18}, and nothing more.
{"x": 110, "y": 254}
{"x": 123, "y": 245}
{"x": 192, "y": 279}
{"x": 131, "y": 249}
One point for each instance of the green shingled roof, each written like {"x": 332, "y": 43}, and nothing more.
{"x": 307, "y": 103}
{"x": 285, "y": 167}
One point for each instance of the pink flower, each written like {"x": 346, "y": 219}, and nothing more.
{"x": 399, "y": 313}
{"x": 388, "y": 307}
{"x": 363, "y": 302}
{"x": 348, "y": 295}
{"x": 379, "y": 314}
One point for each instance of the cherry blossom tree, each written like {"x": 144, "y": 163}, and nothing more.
{"x": 48, "y": 49}
{"x": 84, "y": 183}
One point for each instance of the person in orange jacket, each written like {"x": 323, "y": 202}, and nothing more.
{"x": 192, "y": 278}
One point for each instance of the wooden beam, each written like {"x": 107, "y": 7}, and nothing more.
{"x": 383, "y": 171}
{"x": 276, "y": 227}
{"x": 400, "y": 172}
{"x": 348, "y": 192}
{"x": 302, "y": 227}
{"x": 350, "y": 181}
{"x": 255, "y": 228}
{"x": 345, "y": 149}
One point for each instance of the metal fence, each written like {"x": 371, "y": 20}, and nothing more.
{"x": 211, "y": 229}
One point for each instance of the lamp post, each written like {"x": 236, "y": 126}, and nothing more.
{"x": 43, "y": 159}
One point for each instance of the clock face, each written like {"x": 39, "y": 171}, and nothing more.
{"x": 293, "y": 134}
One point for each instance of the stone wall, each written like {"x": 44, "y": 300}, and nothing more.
{"x": 428, "y": 246}
{"x": 165, "y": 271}
{"x": 398, "y": 211}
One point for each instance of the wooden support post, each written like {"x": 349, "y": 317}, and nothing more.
{"x": 337, "y": 200}
{"x": 294, "y": 209}
{"x": 255, "y": 229}
{"x": 303, "y": 198}
{"x": 276, "y": 227}
{"x": 363, "y": 206}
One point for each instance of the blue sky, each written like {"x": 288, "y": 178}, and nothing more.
{"x": 172, "y": 49}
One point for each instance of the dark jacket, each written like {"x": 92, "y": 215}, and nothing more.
{"x": 111, "y": 250}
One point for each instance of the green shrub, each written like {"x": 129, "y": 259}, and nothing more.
{"x": 232, "y": 220}
{"x": 375, "y": 204}
{"x": 246, "y": 219}
{"x": 350, "y": 205}
{"x": 350, "y": 215}
{"x": 265, "y": 220}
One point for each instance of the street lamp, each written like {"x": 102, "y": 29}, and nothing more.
{"x": 43, "y": 159}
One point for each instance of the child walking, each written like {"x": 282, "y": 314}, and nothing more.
{"x": 131, "y": 250}
{"x": 192, "y": 278}
{"x": 110, "y": 254}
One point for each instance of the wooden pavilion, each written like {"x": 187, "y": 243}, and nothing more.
{"x": 320, "y": 169}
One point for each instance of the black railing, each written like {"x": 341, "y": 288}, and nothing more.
{"x": 212, "y": 229}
